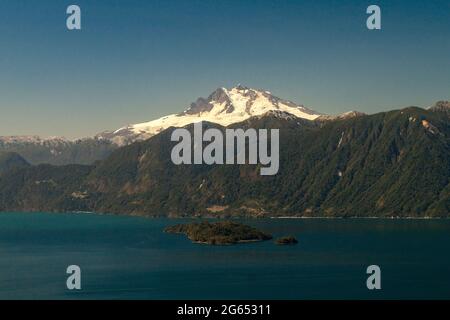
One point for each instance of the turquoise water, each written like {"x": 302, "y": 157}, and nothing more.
{"x": 131, "y": 258}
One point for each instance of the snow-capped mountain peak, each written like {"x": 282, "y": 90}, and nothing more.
{"x": 223, "y": 106}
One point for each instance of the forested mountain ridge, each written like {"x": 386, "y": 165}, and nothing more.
{"x": 388, "y": 164}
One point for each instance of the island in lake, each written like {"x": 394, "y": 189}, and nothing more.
{"x": 219, "y": 233}
{"x": 289, "y": 240}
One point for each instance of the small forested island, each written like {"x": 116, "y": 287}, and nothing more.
{"x": 286, "y": 240}
{"x": 219, "y": 233}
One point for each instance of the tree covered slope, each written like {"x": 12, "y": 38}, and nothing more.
{"x": 389, "y": 164}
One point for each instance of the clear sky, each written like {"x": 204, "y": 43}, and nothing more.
{"x": 136, "y": 60}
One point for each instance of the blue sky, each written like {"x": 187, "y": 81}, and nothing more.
{"x": 136, "y": 60}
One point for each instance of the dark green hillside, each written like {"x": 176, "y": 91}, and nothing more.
{"x": 388, "y": 164}
{"x": 45, "y": 188}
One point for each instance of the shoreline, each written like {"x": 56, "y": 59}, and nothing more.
{"x": 368, "y": 218}
{"x": 225, "y": 244}
{"x": 224, "y": 218}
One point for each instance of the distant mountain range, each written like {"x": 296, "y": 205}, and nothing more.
{"x": 223, "y": 106}
{"x": 389, "y": 164}
{"x": 57, "y": 151}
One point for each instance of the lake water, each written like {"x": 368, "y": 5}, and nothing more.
{"x": 131, "y": 258}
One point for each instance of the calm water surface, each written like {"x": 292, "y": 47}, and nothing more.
{"x": 131, "y": 258}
